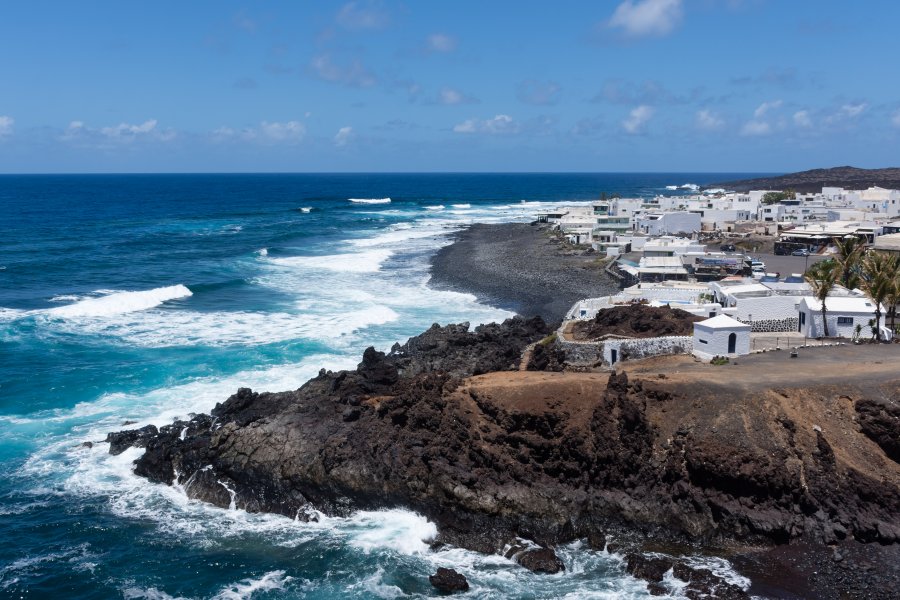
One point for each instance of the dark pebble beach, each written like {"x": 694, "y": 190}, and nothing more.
{"x": 519, "y": 267}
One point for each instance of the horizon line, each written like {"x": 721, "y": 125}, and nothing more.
{"x": 95, "y": 173}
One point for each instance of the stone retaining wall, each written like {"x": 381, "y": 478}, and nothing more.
{"x": 773, "y": 325}
{"x": 594, "y": 353}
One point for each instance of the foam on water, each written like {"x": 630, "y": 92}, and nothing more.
{"x": 370, "y": 200}
{"x": 274, "y": 580}
{"x": 158, "y": 329}
{"x": 118, "y": 303}
{"x": 136, "y": 593}
{"x": 359, "y": 262}
{"x": 435, "y": 207}
{"x": 401, "y": 234}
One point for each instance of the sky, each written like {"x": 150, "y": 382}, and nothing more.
{"x": 426, "y": 85}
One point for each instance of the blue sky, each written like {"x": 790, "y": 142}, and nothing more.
{"x": 372, "y": 85}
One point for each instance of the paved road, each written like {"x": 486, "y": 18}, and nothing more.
{"x": 787, "y": 264}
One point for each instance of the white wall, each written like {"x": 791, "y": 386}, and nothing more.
{"x": 814, "y": 328}
{"x": 765, "y": 308}
{"x": 716, "y": 341}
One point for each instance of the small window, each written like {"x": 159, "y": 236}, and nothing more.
{"x": 702, "y": 341}
{"x": 845, "y": 320}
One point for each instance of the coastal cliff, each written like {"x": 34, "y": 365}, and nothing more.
{"x": 669, "y": 450}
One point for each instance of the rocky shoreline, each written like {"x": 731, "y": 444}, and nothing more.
{"x": 520, "y": 267}
{"x": 513, "y": 462}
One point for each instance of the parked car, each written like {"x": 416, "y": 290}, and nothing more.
{"x": 728, "y": 248}
{"x": 800, "y": 252}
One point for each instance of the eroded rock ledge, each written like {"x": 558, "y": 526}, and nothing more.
{"x": 446, "y": 425}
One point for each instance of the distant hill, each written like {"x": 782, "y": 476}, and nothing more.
{"x": 814, "y": 180}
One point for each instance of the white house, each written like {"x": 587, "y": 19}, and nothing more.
{"x": 720, "y": 336}
{"x": 843, "y": 314}
{"x": 663, "y": 223}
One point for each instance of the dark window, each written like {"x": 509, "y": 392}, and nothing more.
{"x": 845, "y": 320}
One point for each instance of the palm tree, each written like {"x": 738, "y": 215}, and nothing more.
{"x": 822, "y": 277}
{"x": 850, "y": 250}
{"x": 893, "y": 299}
{"x": 878, "y": 274}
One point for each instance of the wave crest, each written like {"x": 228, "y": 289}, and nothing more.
{"x": 119, "y": 303}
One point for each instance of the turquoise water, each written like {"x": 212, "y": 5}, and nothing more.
{"x": 148, "y": 297}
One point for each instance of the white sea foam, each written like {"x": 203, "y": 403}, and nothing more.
{"x": 462, "y": 206}
{"x": 374, "y": 586}
{"x": 263, "y": 252}
{"x": 66, "y": 298}
{"x": 7, "y": 315}
{"x": 357, "y": 262}
{"x": 136, "y": 593}
{"x": 13, "y": 572}
{"x": 274, "y": 580}
{"x": 403, "y": 531}
{"x": 370, "y": 200}
{"x": 118, "y": 303}
{"x": 399, "y": 235}
{"x": 435, "y": 207}
{"x": 305, "y": 209}
{"x": 166, "y": 329}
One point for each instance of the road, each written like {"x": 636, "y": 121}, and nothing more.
{"x": 787, "y": 264}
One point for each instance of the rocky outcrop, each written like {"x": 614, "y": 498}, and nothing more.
{"x": 880, "y": 421}
{"x": 448, "y": 581}
{"x": 547, "y": 457}
{"x": 636, "y": 321}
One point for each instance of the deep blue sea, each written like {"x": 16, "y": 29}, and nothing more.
{"x": 149, "y": 297}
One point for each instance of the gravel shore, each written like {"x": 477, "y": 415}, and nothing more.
{"x": 519, "y": 267}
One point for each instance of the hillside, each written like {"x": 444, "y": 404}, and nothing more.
{"x": 815, "y": 179}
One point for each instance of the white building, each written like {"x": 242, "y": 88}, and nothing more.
{"x": 720, "y": 336}
{"x": 843, "y": 315}
{"x": 664, "y": 223}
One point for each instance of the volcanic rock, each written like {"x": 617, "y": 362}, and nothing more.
{"x": 710, "y": 457}
{"x": 636, "y": 321}
{"x": 449, "y": 581}
{"x": 540, "y": 560}
{"x": 121, "y": 441}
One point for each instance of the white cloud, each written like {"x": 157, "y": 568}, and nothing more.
{"x": 709, "y": 121}
{"x": 123, "y": 130}
{"x": 854, "y": 110}
{"x": 441, "y": 42}
{"x": 640, "y": 18}
{"x": 123, "y": 133}
{"x": 637, "y": 118}
{"x": 362, "y": 15}
{"x": 290, "y": 131}
{"x": 267, "y": 132}
{"x": 342, "y": 137}
{"x": 500, "y": 124}
{"x": 756, "y": 128}
{"x": 801, "y": 119}
{"x": 353, "y": 74}
{"x": 895, "y": 120}
{"x": 6, "y": 125}
{"x": 766, "y": 107}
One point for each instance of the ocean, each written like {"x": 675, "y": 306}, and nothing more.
{"x": 146, "y": 298}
